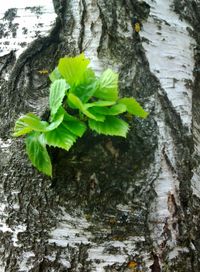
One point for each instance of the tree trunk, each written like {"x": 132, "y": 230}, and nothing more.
{"x": 113, "y": 204}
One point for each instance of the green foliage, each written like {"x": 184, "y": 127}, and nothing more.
{"x": 73, "y": 69}
{"x": 37, "y": 152}
{"x": 107, "y": 86}
{"x": 133, "y": 107}
{"x": 27, "y": 123}
{"x": 57, "y": 93}
{"x": 93, "y": 101}
{"x": 60, "y": 137}
{"x": 111, "y": 126}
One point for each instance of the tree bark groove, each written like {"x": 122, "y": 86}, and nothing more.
{"x": 113, "y": 204}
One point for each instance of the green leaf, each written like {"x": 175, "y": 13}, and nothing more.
{"x": 37, "y": 153}
{"x": 87, "y": 86}
{"x": 27, "y": 123}
{"x": 74, "y": 125}
{"x": 100, "y": 103}
{"x": 57, "y": 93}
{"x": 76, "y": 103}
{"x": 21, "y": 128}
{"x": 60, "y": 137}
{"x": 57, "y": 120}
{"x": 111, "y": 126}
{"x": 55, "y": 74}
{"x": 114, "y": 110}
{"x": 108, "y": 86}
{"x": 133, "y": 107}
{"x": 73, "y": 69}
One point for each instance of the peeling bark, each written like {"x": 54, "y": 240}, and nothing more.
{"x": 113, "y": 204}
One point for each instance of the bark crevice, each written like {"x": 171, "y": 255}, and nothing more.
{"x": 105, "y": 208}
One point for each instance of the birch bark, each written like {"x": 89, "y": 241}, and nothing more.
{"x": 113, "y": 204}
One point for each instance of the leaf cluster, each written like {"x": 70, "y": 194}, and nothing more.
{"x": 77, "y": 100}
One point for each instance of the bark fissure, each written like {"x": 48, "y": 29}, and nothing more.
{"x": 82, "y": 31}
{"x": 103, "y": 29}
{"x": 111, "y": 202}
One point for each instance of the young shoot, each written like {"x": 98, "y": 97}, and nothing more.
{"x": 95, "y": 104}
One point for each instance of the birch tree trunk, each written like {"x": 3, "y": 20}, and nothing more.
{"x": 113, "y": 204}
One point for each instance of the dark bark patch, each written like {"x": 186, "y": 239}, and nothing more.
{"x": 155, "y": 267}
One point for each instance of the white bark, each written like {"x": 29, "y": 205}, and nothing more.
{"x": 41, "y": 229}
{"x": 169, "y": 49}
{"x": 33, "y": 19}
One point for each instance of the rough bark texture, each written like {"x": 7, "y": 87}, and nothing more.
{"x": 113, "y": 204}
